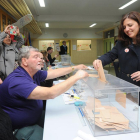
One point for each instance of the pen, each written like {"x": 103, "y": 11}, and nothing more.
{"x": 74, "y": 90}
{"x": 67, "y": 93}
{"x": 81, "y": 112}
{"x": 76, "y": 97}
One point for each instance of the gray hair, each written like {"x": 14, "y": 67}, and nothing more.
{"x": 25, "y": 53}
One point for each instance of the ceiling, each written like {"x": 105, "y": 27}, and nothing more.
{"x": 17, "y": 9}
{"x": 69, "y": 14}
{"x": 79, "y": 13}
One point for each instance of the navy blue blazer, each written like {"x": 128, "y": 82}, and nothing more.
{"x": 62, "y": 50}
{"x": 129, "y": 60}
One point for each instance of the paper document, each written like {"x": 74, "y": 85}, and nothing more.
{"x": 70, "y": 97}
{"x": 90, "y": 68}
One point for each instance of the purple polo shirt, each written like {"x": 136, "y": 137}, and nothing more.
{"x": 13, "y": 97}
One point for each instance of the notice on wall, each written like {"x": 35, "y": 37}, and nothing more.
{"x": 74, "y": 47}
{"x": 57, "y": 47}
{"x": 44, "y": 44}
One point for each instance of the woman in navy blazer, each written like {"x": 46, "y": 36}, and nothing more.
{"x": 127, "y": 49}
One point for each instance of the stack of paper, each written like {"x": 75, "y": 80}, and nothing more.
{"x": 106, "y": 117}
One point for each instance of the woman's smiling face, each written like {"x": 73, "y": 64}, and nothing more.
{"x": 131, "y": 28}
{"x": 7, "y": 40}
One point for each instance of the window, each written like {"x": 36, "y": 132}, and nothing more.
{"x": 83, "y": 45}
{"x": 3, "y": 22}
{"x": 9, "y": 21}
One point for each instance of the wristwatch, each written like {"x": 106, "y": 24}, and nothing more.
{"x": 73, "y": 68}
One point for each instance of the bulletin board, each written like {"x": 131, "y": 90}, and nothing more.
{"x": 44, "y": 44}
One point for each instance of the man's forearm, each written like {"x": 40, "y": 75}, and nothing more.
{"x": 62, "y": 87}
{"x": 44, "y": 93}
{"x": 52, "y": 60}
{"x": 59, "y": 72}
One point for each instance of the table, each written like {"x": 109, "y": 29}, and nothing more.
{"x": 62, "y": 123}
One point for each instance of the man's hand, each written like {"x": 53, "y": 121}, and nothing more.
{"x": 1, "y": 81}
{"x": 81, "y": 74}
{"x": 56, "y": 55}
{"x": 96, "y": 64}
{"x": 135, "y": 76}
{"x": 80, "y": 67}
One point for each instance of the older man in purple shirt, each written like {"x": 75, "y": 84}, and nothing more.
{"x": 20, "y": 94}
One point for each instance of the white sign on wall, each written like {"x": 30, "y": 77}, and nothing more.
{"x": 74, "y": 47}
{"x": 57, "y": 47}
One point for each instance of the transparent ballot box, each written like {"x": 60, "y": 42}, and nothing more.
{"x": 109, "y": 107}
{"x": 95, "y": 71}
{"x": 92, "y": 72}
{"x": 65, "y": 60}
{"x": 91, "y": 69}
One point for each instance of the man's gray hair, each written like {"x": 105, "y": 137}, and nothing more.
{"x": 25, "y": 53}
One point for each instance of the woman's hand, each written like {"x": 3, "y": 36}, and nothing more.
{"x": 135, "y": 76}
{"x": 17, "y": 31}
{"x": 96, "y": 64}
{"x": 7, "y": 29}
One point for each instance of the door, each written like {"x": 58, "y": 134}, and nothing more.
{"x": 68, "y": 43}
{"x": 108, "y": 44}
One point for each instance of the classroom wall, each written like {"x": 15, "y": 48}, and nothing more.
{"x": 85, "y": 57}
{"x": 72, "y": 33}
{"x": 100, "y": 47}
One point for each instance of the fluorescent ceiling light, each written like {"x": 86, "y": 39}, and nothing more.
{"x": 42, "y": 3}
{"x": 92, "y": 25}
{"x": 127, "y": 4}
{"x": 47, "y": 24}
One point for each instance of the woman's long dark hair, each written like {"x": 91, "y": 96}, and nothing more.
{"x": 2, "y": 46}
{"x": 122, "y": 36}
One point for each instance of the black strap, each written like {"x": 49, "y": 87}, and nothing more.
{"x": 5, "y": 75}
